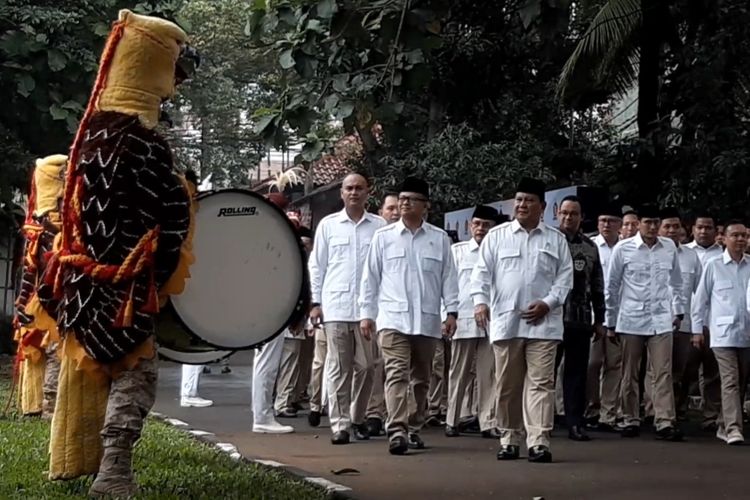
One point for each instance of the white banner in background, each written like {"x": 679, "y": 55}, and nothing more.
{"x": 458, "y": 220}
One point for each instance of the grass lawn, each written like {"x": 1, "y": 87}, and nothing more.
{"x": 169, "y": 465}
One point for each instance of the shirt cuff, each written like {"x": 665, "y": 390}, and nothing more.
{"x": 480, "y": 299}
{"x": 551, "y": 301}
{"x": 368, "y": 313}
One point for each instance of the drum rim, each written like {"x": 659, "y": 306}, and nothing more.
{"x": 166, "y": 357}
{"x": 297, "y": 311}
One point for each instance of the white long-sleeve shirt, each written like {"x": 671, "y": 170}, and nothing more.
{"x": 406, "y": 276}
{"x": 516, "y": 268}
{"x": 722, "y": 297}
{"x": 338, "y": 257}
{"x": 705, "y": 253}
{"x": 605, "y": 253}
{"x": 644, "y": 290}
{"x": 465, "y": 255}
{"x": 691, "y": 268}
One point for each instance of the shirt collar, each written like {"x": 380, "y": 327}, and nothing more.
{"x": 401, "y": 227}
{"x": 515, "y": 226}
{"x": 344, "y": 217}
{"x": 726, "y": 258}
{"x": 473, "y": 245}
{"x": 639, "y": 240}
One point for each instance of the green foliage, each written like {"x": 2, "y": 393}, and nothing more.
{"x": 49, "y": 54}
{"x": 168, "y": 463}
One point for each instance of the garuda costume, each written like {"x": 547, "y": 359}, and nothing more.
{"x": 37, "y": 363}
{"x": 125, "y": 240}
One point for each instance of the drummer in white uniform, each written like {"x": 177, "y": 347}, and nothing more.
{"x": 470, "y": 346}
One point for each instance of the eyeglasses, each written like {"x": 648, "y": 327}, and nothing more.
{"x": 411, "y": 199}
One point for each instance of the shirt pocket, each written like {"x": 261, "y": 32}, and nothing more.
{"x": 396, "y": 306}
{"x": 637, "y": 273}
{"x": 548, "y": 260}
{"x": 339, "y": 248}
{"x": 395, "y": 260}
{"x": 432, "y": 263}
{"x": 509, "y": 259}
{"x": 723, "y": 323}
{"x": 723, "y": 290}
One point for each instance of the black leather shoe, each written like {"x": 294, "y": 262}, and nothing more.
{"x": 415, "y": 442}
{"x": 669, "y": 434}
{"x": 341, "y": 437}
{"x": 288, "y": 413}
{"x": 374, "y": 426}
{"x": 540, "y": 454}
{"x": 398, "y": 445}
{"x": 491, "y": 434}
{"x": 578, "y": 433}
{"x": 434, "y": 421}
{"x": 508, "y": 452}
{"x": 451, "y": 431}
{"x": 314, "y": 418}
{"x": 360, "y": 432}
{"x": 630, "y": 431}
{"x": 470, "y": 426}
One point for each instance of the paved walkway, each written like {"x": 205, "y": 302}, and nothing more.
{"x": 465, "y": 467}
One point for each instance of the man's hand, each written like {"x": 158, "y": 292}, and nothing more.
{"x": 599, "y": 331}
{"x": 316, "y": 315}
{"x": 536, "y": 312}
{"x": 697, "y": 340}
{"x": 612, "y": 336}
{"x": 367, "y": 327}
{"x": 676, "y": 322}
{"x": 482, "y": 316}
{"x": 449, "y": 327}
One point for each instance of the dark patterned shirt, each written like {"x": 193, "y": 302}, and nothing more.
{"x": 587, "y": 296}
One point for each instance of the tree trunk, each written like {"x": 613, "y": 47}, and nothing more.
{"x": 370, "y": 148}
{"x": 651, "y": 151}
{"x": 435, "y": 125}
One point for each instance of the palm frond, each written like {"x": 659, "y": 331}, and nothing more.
{"x": 289, "y": 177}
{"x": 607, "y": 53}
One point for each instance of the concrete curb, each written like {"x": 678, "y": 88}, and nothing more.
{"x": 333, "y": 490}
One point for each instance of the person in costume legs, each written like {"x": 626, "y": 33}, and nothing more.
{"x": 37, "y": 361}
{"x": 125, "y": 245}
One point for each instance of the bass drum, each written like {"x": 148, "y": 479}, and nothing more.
{"x": 248, "y": 280}
{"x": 178, "y": 345}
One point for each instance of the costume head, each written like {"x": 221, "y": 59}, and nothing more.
{"x": 49, "y": 177}
{"x": 143, "y": 66}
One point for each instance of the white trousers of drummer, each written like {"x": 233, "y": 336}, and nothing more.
{"x": 265, "y": 370}
{"x": 191, "y": 375}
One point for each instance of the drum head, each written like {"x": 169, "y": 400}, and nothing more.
{"x": 247, "y": 281}
{"x": 176, "y": 344}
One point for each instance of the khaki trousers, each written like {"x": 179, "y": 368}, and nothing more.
{"x": 702, "y": 361}
{"x": 465, "y": 354}
{"x": 659, "y": 349}
{"x": 349, "y": 374}
{"x": 376, "y": 405}
{"x": 525, "y": 372}
{"x": 307, "y": 352}
{"x": 289, "y": 374}
{"x": 734, "y": 366}
{"x": 680, "y": 353}
{"x": 406, "y": 357}
{"x": 438, "y": 392}
{"x": 318, "y": 370}
{"x": 604, "y": 381}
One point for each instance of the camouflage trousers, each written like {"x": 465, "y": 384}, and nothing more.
{"x": 51, "y": 375}
{"x": 131, "y": 397}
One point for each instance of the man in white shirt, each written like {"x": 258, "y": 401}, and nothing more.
{"x": 341, "y": 244}
{"x": 519, "y": 285}
{"x": 470, "y": 347}
{"x": 705, "y": 245}
{"x": 409, "y": 270}
{"x": 605, "y": 361}
{"x": 376, "y": 407}
{"x": 722, "y": 298}
{"x": 690, "y": 266}
{"x": 645, "y": 304}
